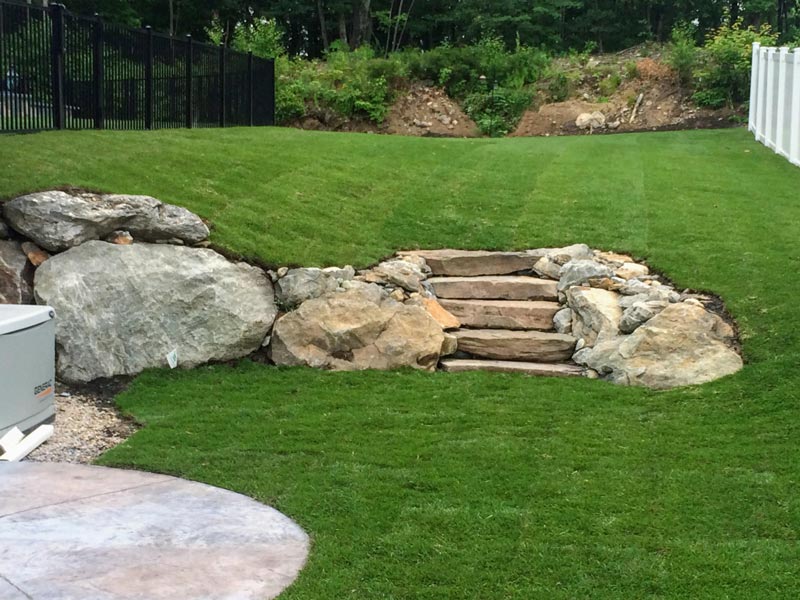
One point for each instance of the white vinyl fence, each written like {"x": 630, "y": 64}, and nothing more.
{"x": 775, "y": 100}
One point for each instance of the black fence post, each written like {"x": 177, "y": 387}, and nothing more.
{"x": 57, "y": 65}
{"x": 148, "y": 80}
{"x": 189, "y": 69}
{"x": 222, "y": 90}
{"x": 99, "y": 72}
{"x": 250, "y": 89}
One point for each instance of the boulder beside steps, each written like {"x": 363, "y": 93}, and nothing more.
{"x": 506, "y": 314}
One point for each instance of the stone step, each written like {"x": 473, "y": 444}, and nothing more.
{"x": 503, "y": 314}
{"x": 506, "y": 344}
{"x": 460, "y": 365}
{"x": 497, "y": 287}
{"x": 470, "y": 263}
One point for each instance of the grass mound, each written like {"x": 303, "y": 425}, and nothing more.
{"x": 484, "y": 485}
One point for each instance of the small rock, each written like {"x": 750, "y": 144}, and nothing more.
{"x": 449, "y": 345}
{"x": 16, "y": 275}
{"x": 578, "y": 272}
{"x": 121, "y": 238}
{"x": 613, "y": 259}
{"x": 594, "y": 120}
{"x": 440, "y": 314}
{"x": 35, "y": 254}
{"x": 595, "y": 313}
{"x": 397, "y": 295}
{"x": 562, "y": 321}
{"x": 638, "y": 314}
{"x": 282, "y": 272}
{"x": 629, "y": 270}
{"x": 400, "y": 272}
{"x": 340, "y": 274}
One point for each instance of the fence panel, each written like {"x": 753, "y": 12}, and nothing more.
{"x": 25, "y": 66}
{"x": 774, "y": 116}
{"x": 63, "y": 71}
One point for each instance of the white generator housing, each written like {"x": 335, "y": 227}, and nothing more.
{"x": 27, "y": 366}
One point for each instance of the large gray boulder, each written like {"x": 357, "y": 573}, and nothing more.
{"x": 355, "y": 330}
{"x": 683, "y": 345}
{"x": 123, "y": 309}
{"x": 57, "y": 220}
{"x": 16, "y": 275}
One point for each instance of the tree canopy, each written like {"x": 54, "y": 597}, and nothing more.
{"x": 311, "y": 26}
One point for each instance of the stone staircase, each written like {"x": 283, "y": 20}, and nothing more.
{"x": 506, "y": 315}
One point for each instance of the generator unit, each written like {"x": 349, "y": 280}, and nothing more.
{"x": 27, "y": 366}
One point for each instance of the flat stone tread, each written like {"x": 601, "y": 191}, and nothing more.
{"x": 512, "y": 334}
{"x": 77, "y": 531}
{"x": 452, "y": 253}
{"x": 475, "y": 262}
{"x": 458, "y": 365}
{"x": 495, "y": 287}
{"x": 503, "y": 314}
{"x": 516, "y": 345}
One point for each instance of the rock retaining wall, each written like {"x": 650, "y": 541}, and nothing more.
{"x": 134, "y": 287}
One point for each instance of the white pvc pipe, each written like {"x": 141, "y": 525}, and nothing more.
{"x": 28, "y": 444}
{"x": 12, "y": 437}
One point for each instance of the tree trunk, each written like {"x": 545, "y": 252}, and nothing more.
{"x": 342, "y": 28}
{"x": 361, "y": 23}
{"x": 323, "y": 26}
{"x": 171, "y": 17}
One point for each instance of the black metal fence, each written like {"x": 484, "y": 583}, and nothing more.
{"x": 62, "y": 71}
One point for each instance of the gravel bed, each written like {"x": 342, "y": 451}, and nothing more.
{"x": 87, "y": 424}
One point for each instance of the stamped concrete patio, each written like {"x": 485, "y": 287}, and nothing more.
{"x": 79, "y": 532}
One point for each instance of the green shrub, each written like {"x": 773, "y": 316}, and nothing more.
{"x": 497, "y": 112}
{"x": 348, "y": 83}
{"x": 610, "y": 84}
{"x": 681, "y": 53}
{"x": 559, "y": 86}
{"x": 723, "y": 76}
{"x": 631, "y": 71}
{"x": 459, "y": 68}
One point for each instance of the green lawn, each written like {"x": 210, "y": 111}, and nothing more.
{"x": 417, "y": 485}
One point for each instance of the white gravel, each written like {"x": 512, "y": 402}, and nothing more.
{"x": 87, "y": 424}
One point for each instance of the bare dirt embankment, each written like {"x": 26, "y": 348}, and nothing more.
{"x": 420, "y": 110}
{"x": 634, "y": 90}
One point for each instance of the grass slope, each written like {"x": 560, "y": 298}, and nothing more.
{"x": 482, "y": 485}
